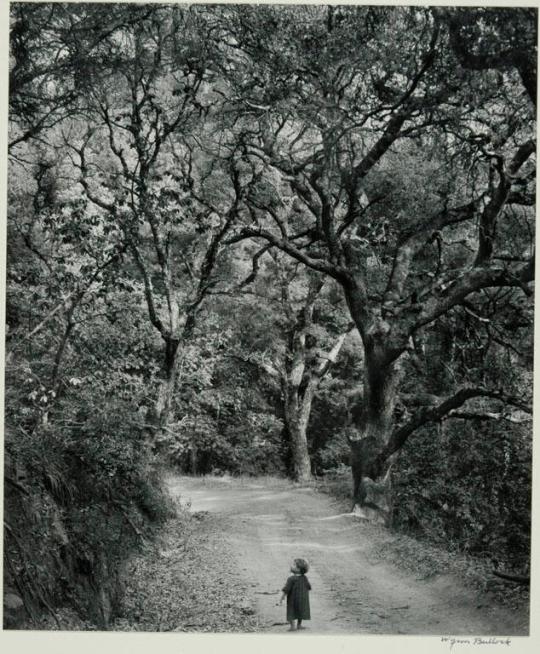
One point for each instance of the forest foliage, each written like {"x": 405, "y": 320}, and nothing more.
{"x": 261, "y": 239}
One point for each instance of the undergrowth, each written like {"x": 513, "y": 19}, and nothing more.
{"x": 418, "y": 554}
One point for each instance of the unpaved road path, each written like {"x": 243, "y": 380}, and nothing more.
{"x": 266, "y": 525}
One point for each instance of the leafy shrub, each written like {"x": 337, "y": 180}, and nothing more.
{"x": 333, "y": 455}
{"x": 468, "y": 487}
{"x": 244, "y": 446}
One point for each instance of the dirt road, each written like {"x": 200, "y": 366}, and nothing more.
{"x": 266, "y": 525}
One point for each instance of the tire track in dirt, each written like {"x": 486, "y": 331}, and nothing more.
{"x": 268, "y": 523}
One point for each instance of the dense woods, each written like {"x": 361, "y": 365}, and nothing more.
{"x": 265, "y": 240}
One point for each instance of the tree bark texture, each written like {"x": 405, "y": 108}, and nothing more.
{"x": 160, "y": 417}
{"x": 372, "y": 432}
{"x": 297, "y": 407}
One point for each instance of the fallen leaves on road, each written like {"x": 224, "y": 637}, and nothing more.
{"x": 186, "y": 582}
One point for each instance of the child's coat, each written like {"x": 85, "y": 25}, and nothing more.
{"x": 297, "y": 590}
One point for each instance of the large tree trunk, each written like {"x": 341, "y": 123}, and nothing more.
{"x": 300, "y": 381}
{"x": 371, "y": 476}
{"x": 297, "y": 410}
{"x": 159, "y": 418}
{"x": 299, "y": 447}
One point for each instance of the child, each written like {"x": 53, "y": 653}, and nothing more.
{"x": 296, "y": 590}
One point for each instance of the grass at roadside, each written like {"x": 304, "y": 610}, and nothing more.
{"x": 218, "y": 481}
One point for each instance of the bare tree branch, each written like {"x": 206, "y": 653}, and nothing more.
{"x": 413, "y": 243}
{"x": 321, "y": 266}
{"x": 437, "y": 413}
{"x": 473, "y": 280}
